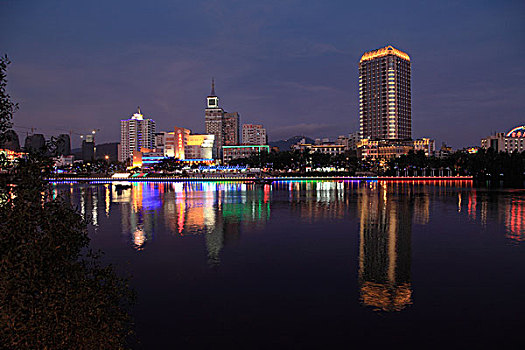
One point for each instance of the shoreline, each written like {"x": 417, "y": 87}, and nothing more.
{"x": 263, "y": 180}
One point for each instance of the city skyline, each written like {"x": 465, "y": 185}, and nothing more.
{"x": 83, "y": 66}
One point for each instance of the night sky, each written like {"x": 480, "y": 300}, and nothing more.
{"x": 290, "y": 65}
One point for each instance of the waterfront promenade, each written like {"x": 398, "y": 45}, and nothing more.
{"x": 250, "y": 179}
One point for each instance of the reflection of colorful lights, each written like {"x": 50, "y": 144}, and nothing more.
{"x": 471, "y": 209}
{"x": 139, "y": 238}
{"x": 94, "y": 208}
{"x": 181, "y": 212}
{"x": 82, "y": 203}
{"x": 108, "y": 201}
{"x": 267, "y": 190}
{"x": 386, "y": 297}
{"x": 515, "y": 219}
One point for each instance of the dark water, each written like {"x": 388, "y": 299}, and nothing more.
{"x": 312, "y": 264}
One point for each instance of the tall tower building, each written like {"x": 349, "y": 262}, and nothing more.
{"x": 230, "y": 128}
{"x": 136, "y": 133}
{"x": 385, "y": 109}
{"x": 224, "y": 126}
{"x": 88, "y": 148}
{"x": 214, "y": 120}
{"x": 63, "y": 143}
{"x": 35, "y": 143}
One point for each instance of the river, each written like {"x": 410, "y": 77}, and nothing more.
{"x": 302, "y": 263}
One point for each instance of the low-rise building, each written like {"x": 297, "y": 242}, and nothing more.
{"x": 230, "y": 153}
{"x": 325, "y": 148}
{"x": 496, "y": 142}
{"x": 64, "y": 161}
{"x": 350, "y": 141}
{"x": 387, "y": 149}
{"x": 444, "y": 151}
{"x": 254, "y": 134}
{"x": 512, "y": 141}
{"x": 383, "y": 149}
{"x": 199, "y": 146}
{"x": 426, "y": 145}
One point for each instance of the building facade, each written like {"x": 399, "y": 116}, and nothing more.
{"x": 214, "y": 116}
{"x": 383, "y": 149}
{"x": 244, "y": 151}
{"x": 426, "y": 145}
{"x": 230, "y": 129}
{"x": 136, "y": 133}
{"x": 254, "y": 134}
{"x": 385, "y": 109}
{"x": 179, "y": 141}
{"x": 199, "y": 146}
{"x": 63, "y": 144}
{"x": 224, "y": 126}
{"x": 350, "y": 141}
{"x": 327, "y": 148}
{"x": 387, "y": 149}
{"x": 88, "y": 148}
{"x": 35, "y": 143}
{"x": 512, "y": 141}
{"x": 160, "y": 141}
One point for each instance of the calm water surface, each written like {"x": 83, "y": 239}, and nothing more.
{"x": 303, "y": 264}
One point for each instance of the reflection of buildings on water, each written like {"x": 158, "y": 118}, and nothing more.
{"x": 139, "y": 211}
{"x": 506, "y": 208}
{"x": 421, "y": 209}
{"x": 515, "y": 219}
{"x": 384, "y": 248}
{"x": 188, "y": 207}
{"x": 219, "y": 211}
{"x": 91, "y": 201}
{"x": 240, "y": 208}
{"x": 316, "y": 200}
{"x": 90, "y": 198}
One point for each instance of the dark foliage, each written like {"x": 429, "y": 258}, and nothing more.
{"x": 486, "y": 166}
{"x": 7, "y": 107}
{"x": 54, "y": 292}
{"x": 299, "y": 161}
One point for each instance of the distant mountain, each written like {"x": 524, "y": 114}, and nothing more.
{"x": 284, "y": 145}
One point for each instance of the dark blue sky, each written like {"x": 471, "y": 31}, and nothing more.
{"x": 288, "y": 64}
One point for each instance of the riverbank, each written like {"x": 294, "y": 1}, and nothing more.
{"x": 252, "y": 179}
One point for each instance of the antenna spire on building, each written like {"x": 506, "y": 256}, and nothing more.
{"x": 212, "y": 87}
{"x": 138, "y": 110}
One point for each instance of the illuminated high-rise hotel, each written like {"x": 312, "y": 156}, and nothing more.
{"x": 385, "y": 110}
{"x": 136, "y": 133}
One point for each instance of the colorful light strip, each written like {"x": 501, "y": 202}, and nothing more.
{"x": 518, "y": 128}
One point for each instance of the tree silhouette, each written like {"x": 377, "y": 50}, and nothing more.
{"x": 54, "y": 292}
